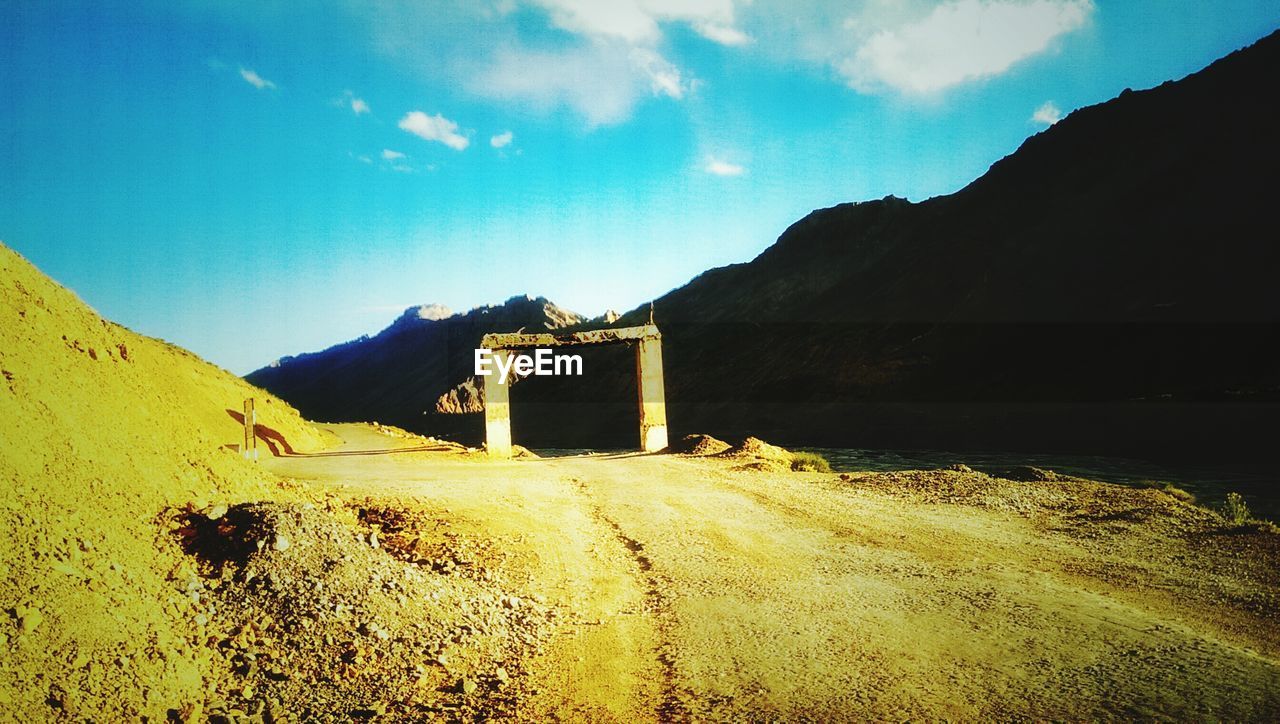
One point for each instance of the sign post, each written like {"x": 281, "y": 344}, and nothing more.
{"x": 250, "y": 447}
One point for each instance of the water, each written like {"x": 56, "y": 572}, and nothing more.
{"x": 1210, "y": 484}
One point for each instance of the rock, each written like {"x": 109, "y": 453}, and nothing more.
{"x": 373, "y": 539}
{"x": 281, "y": 542}
{"x": 216, "y": 512}
{"x": 29, "y": 619}
{"x": 501, "y": 675}
{"x": 467, "y": 685}
{"x": 961, "y": 468}
{"x": 192, "y": 711}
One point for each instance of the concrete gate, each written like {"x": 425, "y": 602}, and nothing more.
{"x": 652, "y": 396}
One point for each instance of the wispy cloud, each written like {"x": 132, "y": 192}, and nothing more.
{"x": 389, "y": 155}
{"x": 637, "y": 21}
{"x": 255, "y": 80}
{"x": 722, "y": 34}
{"x": 717, "y": 167}
{"x": 351, "y": 102}
{"x": 958, "y": 41}
{"x": 434, "y": 128}
{"x": 597, "y": 80}
{"x": 664, "y": 77}
{"x": 616, "y": 61}
{"x": 502, "y": 140}
{"x": 1047, "y": 114}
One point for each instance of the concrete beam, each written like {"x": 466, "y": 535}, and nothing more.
{"x": 593, "y": 336}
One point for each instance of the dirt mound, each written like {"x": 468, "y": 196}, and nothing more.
{"x": 1077, "y": 505}
{"x": 102, "y": 430}
{"x": 698, "y": 445}
{"x": 352, "y": 612}
{"x": 1030, "y": 474}
{"x": 754, "y": 447}
{"x": 520, "y": 451}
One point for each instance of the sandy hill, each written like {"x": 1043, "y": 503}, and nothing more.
{"x": 101, "y": 431}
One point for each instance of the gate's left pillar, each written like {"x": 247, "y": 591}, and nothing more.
{"x": 497, "y": 410}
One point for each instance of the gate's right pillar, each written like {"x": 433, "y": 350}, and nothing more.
{"x": 497, "y": 410}
{"x": 653, "y": 403}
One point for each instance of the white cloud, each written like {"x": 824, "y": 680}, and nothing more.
{"x": 349, "y": 100}
{"x": 613, "y": 62}
{"x": 1047, "y": 114}
{"x": 502, "y": 139}
{"x": 637, "y": 21}
{"x": 434, "y": 128}
{"x": 722, "y": 34}
{"x": 389, "y": 155}
{"x": 664, "y": 78}
{"x": 717, "y": 167}
{"x": 622, "y": 19}
{"x": 361, "y": 158}
{"x": 958, "y": 41}
{"x": 256, "y": 80}
{"x": 597, "y": 80}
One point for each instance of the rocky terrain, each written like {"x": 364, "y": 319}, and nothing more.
{"x": 101, "y": 432}
{"x": 361, "y": 572}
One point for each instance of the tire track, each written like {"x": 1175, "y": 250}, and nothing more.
{"x": 670, "y": 707}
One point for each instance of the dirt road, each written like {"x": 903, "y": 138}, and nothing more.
{"x": 693, "y": 590}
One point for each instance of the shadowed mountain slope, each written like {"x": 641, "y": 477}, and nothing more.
{"x": 1121, "y": 260}
{"x": 398, "y": 374}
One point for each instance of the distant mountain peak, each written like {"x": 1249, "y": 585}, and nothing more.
{"x": 430, "y": 312}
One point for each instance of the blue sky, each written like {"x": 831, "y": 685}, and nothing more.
{"x": 258, "y": 179}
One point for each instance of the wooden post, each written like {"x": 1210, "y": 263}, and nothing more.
{"x": 250, "y": 447}
{"x": 652, "y": 393}
{"x": 497, "y": 410}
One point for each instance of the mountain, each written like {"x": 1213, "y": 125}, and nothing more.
{"x": 406, "y": 370}
{"x": 1108, "y": 287}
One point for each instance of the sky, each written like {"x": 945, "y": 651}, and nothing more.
{"x": 251, "y": 180}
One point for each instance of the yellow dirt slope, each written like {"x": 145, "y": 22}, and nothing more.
{"x": 101, "y": 430}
